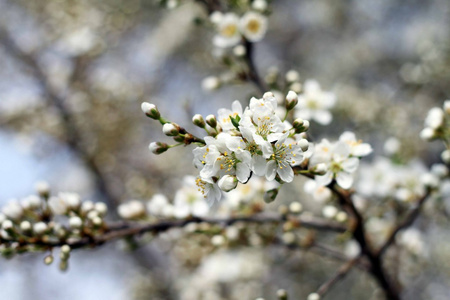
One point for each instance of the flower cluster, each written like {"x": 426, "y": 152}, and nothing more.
{"x": 53, "y": 220}
{"x": 254, "y": 140}
{"x": 339, "y": 160}
{"x": 437, "y": 124}
{"x": 187, "y": 202}
{"x": 231, "y": 28}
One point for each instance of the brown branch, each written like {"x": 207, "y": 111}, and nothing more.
{"x": 253, "y": 74}
{"x": 376, "y": 268}
{"x": 408, "y": 221}
{"x": 340, "y": 274}
{"x": 124, "y": 229}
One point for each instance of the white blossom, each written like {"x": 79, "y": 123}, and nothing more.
{"x": 253, "y": 26}
{"x": 227, "y": 31}
{"x": 314, "y": 104}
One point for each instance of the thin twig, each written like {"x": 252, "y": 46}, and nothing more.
{"x": 340, "y": 274}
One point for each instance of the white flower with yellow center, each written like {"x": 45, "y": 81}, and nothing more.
{"x": 283, "y": 155}
{"x": 253, "y": 26}
{"x": 320, "y": 193}
{"x": 357, "y": 147}
{"x": 339, "y": 163}
{"x": 314, "y": 104}
{"x": 188, "y": 200}
{"x": 224, "y": 115}
{"x": 228, "y": 34}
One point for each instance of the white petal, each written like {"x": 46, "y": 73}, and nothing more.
{"x": 271, "y": 170}
{"x": 350, "y": 165}
{"x": 286, "y": 173}
{"x": 324, "y": 180}
{"x": 344, "y": 180}
{"x": 242, "y": 172}
{"x": 259, "y": 164}
{"x": 323, "y": 117}
{"x": 362, "y": 150}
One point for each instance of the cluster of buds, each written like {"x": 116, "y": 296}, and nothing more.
{"x": 179, "y": 134}
{"x": 437, "y": 124}
{"x": 41, "y": 222}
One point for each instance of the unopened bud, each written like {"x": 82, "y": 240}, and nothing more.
{"x": 282, "y": 294}
{"x": 298, "y": 125}
{"x": 75, "y": 222}
{"x": 313, "y": 296}
{"x": 227, "y": 183}
{"x": 7, "y": 225}
{"x": 427, "y": 134}
{"x": 158, "y": 147}
{"x": 40, "y": 228}
{"x": 292, "y": 76}
{"x": 25, "y": 226}
{"x": 171, "y": 129}
{"x": 320, "y": 169}
{"x": 42, "y": 188}
{"x": 150, "y": 110}
{"x": 303, "y": 144}
{"x": 198, "y": 121}
{"x": 211, "y": 121}
{"x": 210, "y": 83}
{"x": 239, "y": 51}
{"x": 48, "y": 259}
{"x": 445, "y": 156}
{"x": 295, "y": 207}
{"x": 447, "y": 107}
{"x": 270, "y": 195}
{"x": 101, "y": 208}
{"x": 291, "y": 100}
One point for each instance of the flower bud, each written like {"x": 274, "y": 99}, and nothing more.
{"x": 282, "y": 294}
{"x": 270, "y": 195}
{"x": 320, "y": 169}
{"x": 313, "y": 296}
{"x": 296, "y": 87}
{"x": 87, "y": 206}
{"x": 210, "y": 83}
{"x": 211, "y": 121}
{"x": 218, "y": 240}
{"x": 7, "y": 225}
{"x": 227, "y": 183}
{"x": 25, "y": 226}
{"x": 298, "y": 125}
{"x": 239, "y": 51}
{"x": 150, "y": 110}
{"x": 198, "y": 121}
{"x": 430, "y": 180}
{"x": 295, "y": 207}
{"x": 291, "y": 100}
{"x": 171, "y": 129}
{"x": 303, "y": 144}
{"x": 447, "y": 107}
{"x": 65, "y": 249}
{"x": 48, "y": 259}
{"x": 40, "y": 228}
{"x": 427, "y": 134}
{"x": 445, "y": 156}
{"x": 75, "y": 222}
{"x": 101, "y": 208}
{"x": 158, "y": 147}
{"x": 42, "y": 188}
{"x": 292, "y": 76}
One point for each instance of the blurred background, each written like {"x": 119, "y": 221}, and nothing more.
{"x": 74, "y": 73}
